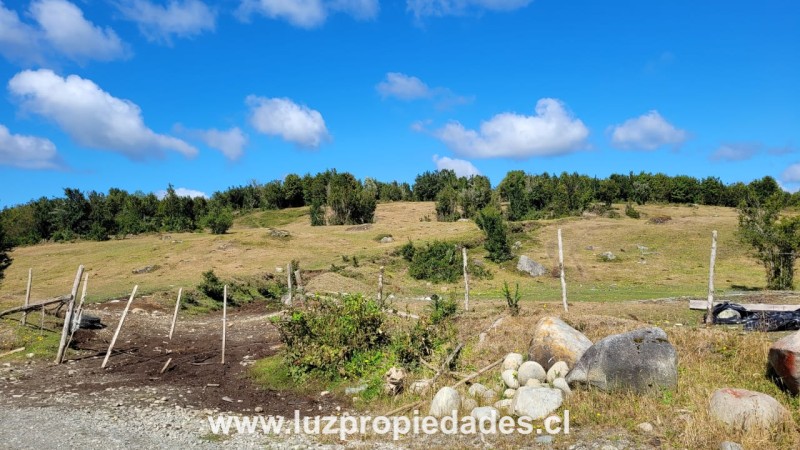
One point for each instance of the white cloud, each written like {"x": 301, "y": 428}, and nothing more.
{"x": 282, "y": 117}
{"x": 182, "y": 192}
{"x": 791, "y": 174}
{"x": 551, "y": 131}
{"x": 27, "y": 152}
{"x": 71, "y": 34}
{"x": 438, "y": 8}
{"x": 231, "y": 142}
{"x": 92, "y": 117}
{"x": 735, "y": 152}
{"x": 18, "y": 41}
{"x": 404, "y": 87}
{"x": 647, "y": 132}
{"x": 407, "y": 88}
{"x": 461, "y": 167}
{"x": 180, "y": 18}
{"x": 308, "y": 13}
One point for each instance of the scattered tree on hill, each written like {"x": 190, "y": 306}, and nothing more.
{"x": 218, "y": 219}
{"x": 490, "y": 220}
{"x": 775, "y": 239}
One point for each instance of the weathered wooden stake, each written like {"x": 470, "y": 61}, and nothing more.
{"x": 119, "y": 327}
{"x": 164, "y": 369}
{"x": 289, "y": 282}
{"x": 299, "y": 281}
{"x": 27, "y": 298}
{"x": 65, "y": 331}
{"x": 709, "y": 317}
{"x": 175, "y": 314}
{"x": 380, "y": 286}
{"x": 225, "y": 318}
{"x": 466, "y": 279}
{"x": 76, "y": 317}
{"x": 561, "y": 267}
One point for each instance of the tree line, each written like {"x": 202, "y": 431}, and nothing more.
{"x": 338, "y": 198}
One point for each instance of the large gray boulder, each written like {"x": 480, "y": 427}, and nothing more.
{"x": 743, "y": 409}
{"x": 531, "y": 267}
{"x": 446, "y": 402}
{"x": 536, "y": 402}
{"x": 641, "y": 360}
{"x": 553, "y": 340}
{"x": 784, "y": 358}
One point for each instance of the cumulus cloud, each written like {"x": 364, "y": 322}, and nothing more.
{"x": 439, "y": 8}
{"x": 92, "y": 117}
{"x": 551, "y": 131}
{"x": 461, "y": 167}
{"x": 791, "y": 174}
{"x": 230, "y": 142}
{"x": 181, "y": 192}
{"x": 179, "y": 18}
{"x": 647, "y": 132}
{"x": 294, "y": 123}
{"x": 308, "y": 13}
{"x": 27, "y": 152}
{"x": 18, "y": 41}
{"x": 735, "y": 152}
{"x": 68, "y": 32}
{"x": 407, "y": 88}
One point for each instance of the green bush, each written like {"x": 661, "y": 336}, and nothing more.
{"x": 437, "y": 262}
{"x": 219, "y": 219}
{"x": 334, "y": 338}
{"x": 490, "y": 220}
{"x": 441, "y": 309}
{"x": 631, "y": 212}
{"x": 212, "y": 286}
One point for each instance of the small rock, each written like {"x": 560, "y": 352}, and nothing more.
{"x": 504, "y": 405}
{"x": 394, "y": 379}
{"x": 420, "y": 386}
{"x": 445, "y": 402}
{"x": 728, "y": 445}
{"x": 536, "y": 403}
{"x": 558, "y": 370}
{"x": 509, "y": 393}
{"x": 355, "y": 390}
{"x": 608, "y": 256}
{"x": 387, "y": 240}
{"x": 530, "y": 370}
{"x": 512, "y": 361}
{"x": 729, "y": 314}
{"x": 477, "y": 390}
{"x": 72, "y": 372}
{"x": 227, "y": 399}
{"x": 29, "y": 355}
{"x": 533, "y": 382}
{"x": 545, "y": 440}
{"x": 488, "y": 413}
{"x": 510, "y": 378}
{"x": 489, "y": 396}
{"x": 743, "y": 409}
{"x": 531, "y": 267}
{"x": 258, "y": 409}
{"x": 645, "y": 427}
{"x": 560, "y": 383}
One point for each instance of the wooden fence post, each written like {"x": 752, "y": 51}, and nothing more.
{"x": 561, "y": 267}
{"x": 65, "y": 331}
{"x": 289, "y": 282}
{"x": 225, "y": 319}
{"x": 709, "y": 316}
{"x": 76, "y": 317}
{"x": 380, "y": 286}
{"x": 119, "y": 327}
{"x": 27, "y": 298}
{"x": 466, "y": 279}
{"x": 175, "y": 314}
{"x": 299, "y": 280}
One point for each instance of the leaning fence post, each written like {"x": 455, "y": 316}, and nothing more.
{"x": 175, "y": 314}
{"x": 709, "y": 315}
{"x": 561, "y": 266}
{"x": 27, "y": 298}
{"x": 65, "y": 331}
{"x": 119, "y": 327}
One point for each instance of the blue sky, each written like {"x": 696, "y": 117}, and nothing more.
{"x": 137, "y": 94}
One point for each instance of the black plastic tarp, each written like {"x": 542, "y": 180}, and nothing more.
{"x": 756, "y": 320}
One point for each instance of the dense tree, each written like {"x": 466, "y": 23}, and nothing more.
{"x": 775, "y": 239}
{"x": 218, "y": 218}
{"x": 293, "y": 191}
{"x": 490, "y": 220}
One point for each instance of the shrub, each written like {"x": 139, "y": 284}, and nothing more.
{"x": 631, "y": 212}
{"x": 658, "y": 220}
{"x": 437, "y": 262}
{"x": 512, "y": 300}
{"x": 334, "y": 338}
{"x": 317, "y": 213}
{"x": 218, "y": 219}
{"x": 490, "y": 220}
{"x": 407, "y": 251}
{"x": 441, "y": 309}
{"x": 212, "y": 286}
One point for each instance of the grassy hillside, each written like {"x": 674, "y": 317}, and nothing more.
{"x": 675, "y": 262}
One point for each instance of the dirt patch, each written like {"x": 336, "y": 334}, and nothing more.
{"x": 195, "y": 377}
{"x": 333, "y": 282}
